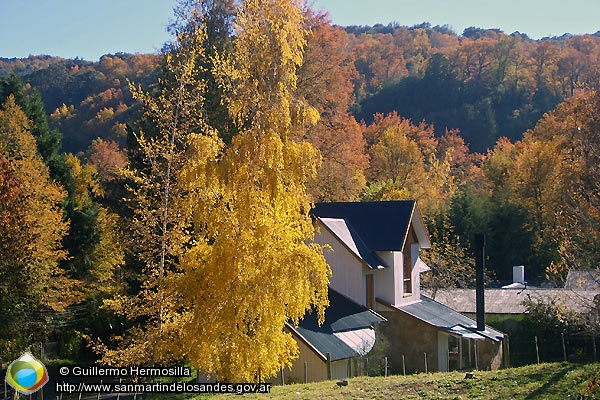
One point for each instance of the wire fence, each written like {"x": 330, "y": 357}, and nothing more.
{"x": 531, "y": 349}
{"x": 523, "y": 348}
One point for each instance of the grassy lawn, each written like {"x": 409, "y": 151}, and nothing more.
{"x": 544, "y": 381}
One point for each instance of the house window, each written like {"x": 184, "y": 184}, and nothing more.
{"x": 407, "y": 273}
{"x": 408, "y": 262}
{"x": 370, "y": 292}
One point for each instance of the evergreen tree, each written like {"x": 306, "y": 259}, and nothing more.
{"x": 30, "y": 101}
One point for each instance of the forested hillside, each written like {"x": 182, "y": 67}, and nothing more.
{"x": 485, "y": 83}
{"x": 164, "y": 183}
{"x": 86, "y": 100}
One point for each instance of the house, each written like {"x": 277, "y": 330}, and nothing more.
{"x": 511, "y": 301}
{"x": 374, "y": 258}
{"x": 578, "y": 295}
{"x": 507, "y": 306}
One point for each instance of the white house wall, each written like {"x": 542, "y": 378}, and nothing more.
{"x": 347, "y": 271}
{"x": 339, "y": 369}
{"x": 388, "y": 281}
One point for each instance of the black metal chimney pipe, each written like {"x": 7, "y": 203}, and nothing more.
{"x": 479, "y": 280}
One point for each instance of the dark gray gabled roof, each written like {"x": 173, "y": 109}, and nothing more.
{"x": 352, "y": 240}
{"x": 445, "y": 318}
{"x": 342, "y": 315}
{"x": 382, "y": 225}
{"x": 325, "y": 343}
{"x": 512, "y": 301}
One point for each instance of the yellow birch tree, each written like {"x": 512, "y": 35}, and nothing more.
{"x": 253, "y": 266}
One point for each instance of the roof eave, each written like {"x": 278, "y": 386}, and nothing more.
{"x": 305, "y": 341}
{"x": 421, "y": 232}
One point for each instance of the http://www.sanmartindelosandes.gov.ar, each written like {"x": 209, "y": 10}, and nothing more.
{"x": 26, "y": 374}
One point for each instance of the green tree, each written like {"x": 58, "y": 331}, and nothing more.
{"x": 48, "y": 142}
{"x": 486, "y": 205}
{"x": 451, "y": 262}
{"x": 99, "y": 254}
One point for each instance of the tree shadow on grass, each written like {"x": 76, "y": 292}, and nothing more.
{"x": 556, "y": 377}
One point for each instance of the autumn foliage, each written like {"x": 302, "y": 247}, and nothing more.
{"x": 174, "y": 223}
{"x": 31, "y": 283}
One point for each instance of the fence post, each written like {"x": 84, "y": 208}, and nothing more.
{"x": 98, "y": 397}
{"x": 562, "y": 341}
{"x": 305, "y": 372}
{"x": 349, "y": 368}
{"x": 403, "y": 366}
{"x": 328, "y": 366}
{"x": 594, "y": 346}
{"x": 537, "y": 350}
{"x": 476, "y": 356}
{"x": 425, "y": 362}
{"x": 385, "y": 366}
{"x": 506, "y": 351}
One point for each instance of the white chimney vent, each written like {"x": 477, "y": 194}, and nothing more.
{"x": 519, "y": 274}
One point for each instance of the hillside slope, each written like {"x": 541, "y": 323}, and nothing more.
{"x": 544, "y": 381}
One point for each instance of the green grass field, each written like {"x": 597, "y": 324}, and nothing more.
{"x": 544, "y": 381}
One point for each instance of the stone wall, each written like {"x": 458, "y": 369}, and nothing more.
{"x": 411, "y": 337}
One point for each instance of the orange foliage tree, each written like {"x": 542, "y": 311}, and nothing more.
{"x": 325, "y": 82}
{"x": 32, "y": 286}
